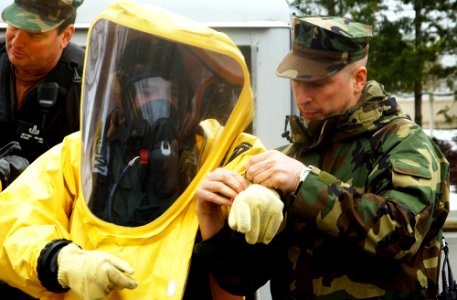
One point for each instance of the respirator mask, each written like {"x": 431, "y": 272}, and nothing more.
{"x": 149, "y": 113}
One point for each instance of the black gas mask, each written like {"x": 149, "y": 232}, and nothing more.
{"x": 151, "y": 99}
{"x": 149, "y": 115}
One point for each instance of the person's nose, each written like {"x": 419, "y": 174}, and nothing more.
{"x": 302, "y": 94}
{"x": 19, "y": 38}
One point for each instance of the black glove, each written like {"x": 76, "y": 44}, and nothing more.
{"x": 10, "y": 168}
{"x": 11, "y": 148}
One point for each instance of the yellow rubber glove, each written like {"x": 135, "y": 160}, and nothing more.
{"x": 256, "y": 212}
{"x": 92, "y": 274}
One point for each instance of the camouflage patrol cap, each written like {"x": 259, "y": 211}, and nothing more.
{"x": 39, "y": 15}
{"x": 322, "y": 46}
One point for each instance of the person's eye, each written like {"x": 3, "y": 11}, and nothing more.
{"x": 36, "y": 36}
{"x": 148, "y": 93}
{"x": 318, "y": 83}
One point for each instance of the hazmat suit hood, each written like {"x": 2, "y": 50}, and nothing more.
{"x": 151, "y": 78}
{"x": 165, "y": 100}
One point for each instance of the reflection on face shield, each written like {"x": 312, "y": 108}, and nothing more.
{"x": 139, "y": 154}
{"x": 145, "y": 73}
{"x": 152, "y": 98}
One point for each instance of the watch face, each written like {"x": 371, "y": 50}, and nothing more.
{"x": 304, "y": 173}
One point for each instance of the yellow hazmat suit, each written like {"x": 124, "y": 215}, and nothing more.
{"x": 51, "y": 200}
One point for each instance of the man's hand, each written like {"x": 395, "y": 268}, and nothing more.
{"x": 257, "y": 212}
{"x": 92, "y": 275}
{"x": 275, "y": 170}
{"x": 217, "y": 190}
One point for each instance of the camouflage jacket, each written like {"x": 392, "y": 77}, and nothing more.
{"x": 365, "y": 224}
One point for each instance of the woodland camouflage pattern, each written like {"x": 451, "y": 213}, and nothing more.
{"x": 367, "y": 221}
{"x": 322, "y": 46}
{"x": 39, "y": 15}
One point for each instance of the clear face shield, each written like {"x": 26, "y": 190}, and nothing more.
{"x": 144, "y": 99}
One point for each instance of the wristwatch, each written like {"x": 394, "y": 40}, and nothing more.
{"x": 303, "y": 174}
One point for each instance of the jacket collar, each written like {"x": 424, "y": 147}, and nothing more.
{"x": 374, "y": 110}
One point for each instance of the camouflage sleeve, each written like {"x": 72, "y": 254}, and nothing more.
{"x": 403, "y": 200}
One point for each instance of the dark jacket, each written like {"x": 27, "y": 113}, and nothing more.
{"x": 39, "y": 126}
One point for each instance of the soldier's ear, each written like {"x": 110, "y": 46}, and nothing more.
{"x": 360, "y": 78}
{"x": 67, "y": 34}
